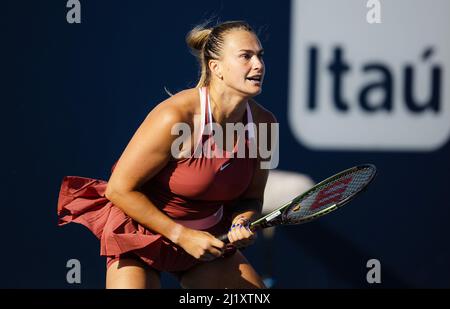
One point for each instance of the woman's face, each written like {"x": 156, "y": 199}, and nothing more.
{"x": 241, "y": 63}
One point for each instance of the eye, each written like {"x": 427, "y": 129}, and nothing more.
{"x": 246, "y": 56}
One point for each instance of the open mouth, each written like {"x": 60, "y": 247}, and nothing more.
{"x": 255, "y": 79}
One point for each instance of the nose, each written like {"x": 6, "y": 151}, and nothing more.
{"x": 258, "y": 64}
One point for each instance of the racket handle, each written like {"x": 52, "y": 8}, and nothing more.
{"x": 224, "y": 237}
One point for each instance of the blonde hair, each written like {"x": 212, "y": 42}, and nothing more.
{"x": 207, "y": 43}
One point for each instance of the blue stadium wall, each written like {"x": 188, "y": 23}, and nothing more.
{"x": 73, "y": 94}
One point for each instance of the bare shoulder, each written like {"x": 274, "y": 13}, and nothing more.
{"x": 261, "y": 114}
{"x": 178, "y": 108}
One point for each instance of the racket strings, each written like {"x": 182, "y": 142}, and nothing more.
{"x": 324, "y": 198}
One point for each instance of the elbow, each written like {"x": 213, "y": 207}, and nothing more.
{"x": 111, "y": 193}
{"x": 116, "y": 192}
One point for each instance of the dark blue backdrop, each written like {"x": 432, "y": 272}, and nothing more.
{"x": 72, "y": 95}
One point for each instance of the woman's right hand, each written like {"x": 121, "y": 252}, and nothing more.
{"x": 201, "y": 245}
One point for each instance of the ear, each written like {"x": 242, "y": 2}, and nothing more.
{"x": 215, "y": 68}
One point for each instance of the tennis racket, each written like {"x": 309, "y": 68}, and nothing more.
{"x": 325, "y": 197}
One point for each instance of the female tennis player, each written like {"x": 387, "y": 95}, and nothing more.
{"x": 163, "y": 204}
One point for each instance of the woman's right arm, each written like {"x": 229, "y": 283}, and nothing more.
{"x": 145, "y": 155}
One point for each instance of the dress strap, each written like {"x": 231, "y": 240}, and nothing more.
{"x": 250, "y": 124}
{"x": 203, "y": 105}
{"x": 208, "y": 109}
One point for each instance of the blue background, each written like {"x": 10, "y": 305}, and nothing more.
{"x": 72, "y": 95}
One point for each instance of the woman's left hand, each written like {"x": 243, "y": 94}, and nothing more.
{"x": 240, "y": 234}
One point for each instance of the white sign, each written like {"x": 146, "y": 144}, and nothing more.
{"x": 359, "y": 86}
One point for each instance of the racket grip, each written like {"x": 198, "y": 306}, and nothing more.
{"x": 224, "y": 237}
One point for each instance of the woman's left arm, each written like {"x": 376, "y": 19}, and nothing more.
{"x": 249, "y": 206}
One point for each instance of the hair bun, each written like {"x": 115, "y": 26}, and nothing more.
{"x": 197, "y": 38}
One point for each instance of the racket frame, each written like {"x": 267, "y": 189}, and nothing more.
{"x": 278, "y": 216}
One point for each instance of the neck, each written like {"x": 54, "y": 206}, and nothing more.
{"x": 226, "y": 106}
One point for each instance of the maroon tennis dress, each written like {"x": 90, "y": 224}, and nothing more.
{"x": 196, "y": 192}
